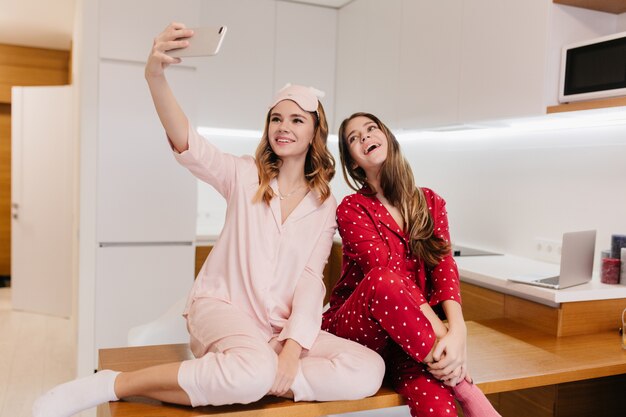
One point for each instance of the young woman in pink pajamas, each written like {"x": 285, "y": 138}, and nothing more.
{"x": 398, "y": 269}
{"x": 254, "y": 313}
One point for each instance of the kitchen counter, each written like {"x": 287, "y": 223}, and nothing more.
{"x": 492, "y": 272}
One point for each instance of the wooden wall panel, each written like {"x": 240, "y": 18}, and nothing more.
{"x": 5, "y": 189}
{"x": 21, "y": 66}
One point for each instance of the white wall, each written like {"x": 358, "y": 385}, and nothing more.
{"x": 507, "y": 188}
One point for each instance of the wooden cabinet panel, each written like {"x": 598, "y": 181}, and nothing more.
{"x": 591, "y": 316}
{"x": 535, "y": 402}
{"x": 201, "y": 254}
{"x": 602, "y": 397}
{"x": 570, "y": 319}
{"x": 537, "y": 316}
{"x": 480, "y": 303}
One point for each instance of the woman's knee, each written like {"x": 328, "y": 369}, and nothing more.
{"x": 363, "y": 365}
{"x": 236, "y": 375}
{"x": 382, "y": 281}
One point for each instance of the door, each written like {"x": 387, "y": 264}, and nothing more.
{"x": 42, "y": 199}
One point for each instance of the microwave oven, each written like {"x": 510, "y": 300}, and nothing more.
{"x": 593, "y": 69}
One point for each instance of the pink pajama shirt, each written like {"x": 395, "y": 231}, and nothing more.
{"x": 262, "y": 283}
{"x": 376, "y": 301}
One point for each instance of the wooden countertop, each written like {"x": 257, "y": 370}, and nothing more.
{"x": 502, "y": 356}
{"x": 493, "y": 271}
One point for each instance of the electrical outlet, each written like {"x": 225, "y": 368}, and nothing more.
{"x": 548, "y": 250}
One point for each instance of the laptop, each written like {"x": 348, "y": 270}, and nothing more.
{"x": 577, "y": 252}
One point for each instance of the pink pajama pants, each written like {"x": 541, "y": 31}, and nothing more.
{"x": 383, "y": 314}
{"x": 234, "y": 363}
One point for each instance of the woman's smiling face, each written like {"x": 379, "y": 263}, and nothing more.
{"x": 366, "y": 142}
{"x": 290, "y": 130}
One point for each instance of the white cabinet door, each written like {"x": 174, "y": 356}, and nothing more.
{"x": 135, "y": 285}
{"x": 143, "y": 194}
{"x": 368, "y": 50}
{"x": 429, "y": 63}
{"x": 503, "y": 61}
{"x": 127, "y": 28}
{"x": 235, "y": 86}
{"x": 305, "y": 49}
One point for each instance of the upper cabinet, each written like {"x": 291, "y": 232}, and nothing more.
{"x": 421, "y": 64}
{"x": 503, "y": 59}
{"x": 368, "y": 51}
{"x": 268, "y": 43}
{"x": 305, "y": 50}
{"x": 609, "y": 6}
{"x": 427, "y": 64}
{"x": 235, "y": 86}
{"x": 127, "y": 28}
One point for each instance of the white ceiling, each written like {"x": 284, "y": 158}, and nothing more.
{"x": 38, "y": 23}
{"x": 49, "y": 23}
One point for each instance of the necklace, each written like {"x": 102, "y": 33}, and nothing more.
{"x": 282, "y": 197}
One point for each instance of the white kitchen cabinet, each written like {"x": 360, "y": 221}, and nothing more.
{"x": 368, "y": 52}
{"x": 127, "y": 28}
{"x": 400, "y": 60}
{"x": 306, "y": 49}
{"x": 144, "y": 195}
{"x": 235, "y": 86}
{"x": 136, "y": 284}
{"x": 442, "y": 63}
{"x": 430, "y": 60}
{"x": 503, "y": 59}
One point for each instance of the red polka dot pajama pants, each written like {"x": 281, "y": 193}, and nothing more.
{"x": 383, "y": 314}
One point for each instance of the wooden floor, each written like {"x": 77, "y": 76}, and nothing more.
{"x": 36, "y": 353}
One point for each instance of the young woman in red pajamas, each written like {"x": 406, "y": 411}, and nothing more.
{"x": 397, "y": 269}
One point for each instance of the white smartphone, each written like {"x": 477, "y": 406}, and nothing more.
{"x": 206, "y": 41}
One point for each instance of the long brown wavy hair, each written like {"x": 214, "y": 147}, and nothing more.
{"x": 398, "y": 186}
{"x": 319, "y": 166}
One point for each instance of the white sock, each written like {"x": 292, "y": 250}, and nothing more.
{"x": 75, "y": 396}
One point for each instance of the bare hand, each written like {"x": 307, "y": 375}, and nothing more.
{"x": 169, "y": 39}
{"x": 450, "y": 357}
{"x": 288, "y": 363}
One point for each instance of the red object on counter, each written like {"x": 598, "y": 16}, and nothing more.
{"x": 610, "y": 271}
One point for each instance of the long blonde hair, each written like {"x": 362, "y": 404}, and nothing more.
{"x": 319, "y": 166}
{"x": 398, "y": 186}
